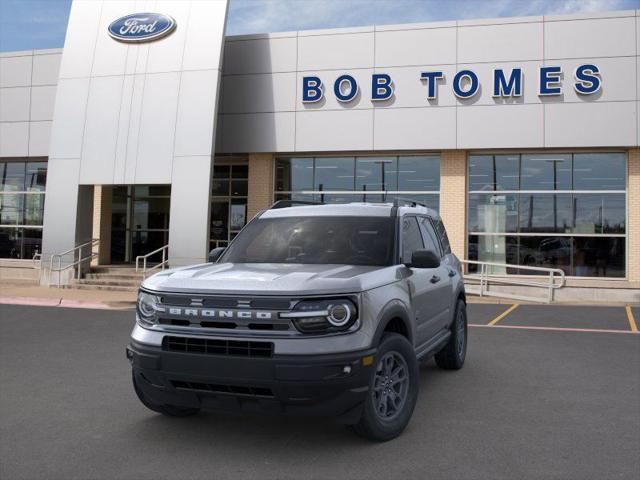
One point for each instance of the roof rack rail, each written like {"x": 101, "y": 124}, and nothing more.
{"x": 292, "y": 203}
{"x": 404, "y": 202}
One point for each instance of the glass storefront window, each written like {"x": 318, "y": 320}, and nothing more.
{"x": 599, "y": 257}
{"x": 581, "y": 230}
{"x": 494, "y": 172}
{"x": 376, "y": 173}
{"x": 33, "y": 209}
{"x": 35, "y": 177}
{"x": 541, "y": 212}
{"x": 414, "y": 177}
{"x": 421, "y": 174}
{"x": 545, "y": 172}
{"x": 493, "y": 213}
{"x": 12, "y": 209}
{"x": 599, "y": 171}
{"x": 13, "y": 175}
{"x": 228, "y": 213}
{"x": 595, "y": 213}
{"x": 334, "y": 174}
{"x": 294, "y": 174}
{"x": 22, "y": 194}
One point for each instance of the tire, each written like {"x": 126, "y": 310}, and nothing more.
{"x": 386, "y": 415}
{"x": 452, "y": 356}
{"x": 168, "y": 410}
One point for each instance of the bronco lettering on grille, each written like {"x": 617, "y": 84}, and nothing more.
{"x": 214, "y": 313}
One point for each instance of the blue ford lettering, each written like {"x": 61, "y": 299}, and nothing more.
{"x": 465, "y": 84}
{"x": 141, "y": 27}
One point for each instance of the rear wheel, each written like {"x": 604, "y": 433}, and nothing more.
{"x": 169, "y": 410}
{"x": 393, "y": 391}
{"x": 452, "y": 356}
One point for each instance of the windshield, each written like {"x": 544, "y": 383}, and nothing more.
{"x": 317, "y": 240}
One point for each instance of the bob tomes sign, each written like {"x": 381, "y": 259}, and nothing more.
{"x": 141, "y": 27}
{"x": 465, "y": 84}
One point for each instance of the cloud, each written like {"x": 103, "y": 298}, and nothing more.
{"x": 29, "y": 24}
{"x": 255, "y": 16}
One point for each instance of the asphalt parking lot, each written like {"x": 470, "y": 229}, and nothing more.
{"x": 548, "y": 392}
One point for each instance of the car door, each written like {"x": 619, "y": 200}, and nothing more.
{"x": 419, "y": 281}
{"x": 442, "y": 286}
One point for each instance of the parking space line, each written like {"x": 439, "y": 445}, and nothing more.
{"x": 632, "y": 321}
{"x": 503, "y": 314}
{"x": 555, "y": 329}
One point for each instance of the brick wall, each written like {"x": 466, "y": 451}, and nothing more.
{"x": 453, "y": 198}
{"x": 102, "y": 200}
{"x": 633, "y": 227}
{"x": 260, "y": 183}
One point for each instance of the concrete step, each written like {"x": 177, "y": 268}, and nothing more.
{"x": 108, "y": 282}
{"x": 115, "y": 276}
{"x": 113, "y": 288}
{"x": 117, "y": 270}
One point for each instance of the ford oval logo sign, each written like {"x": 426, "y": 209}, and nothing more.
{"x": 141, "y": 27}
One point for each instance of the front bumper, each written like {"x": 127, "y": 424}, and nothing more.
{"x": 318, "y": 385}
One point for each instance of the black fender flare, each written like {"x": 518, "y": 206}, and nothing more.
{"x": 394, "y": 309}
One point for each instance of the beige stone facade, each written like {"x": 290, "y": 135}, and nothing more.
{"x": 261, "y": 186}
{"x": 453, "y": 198}
{"x": 102, "y": 200}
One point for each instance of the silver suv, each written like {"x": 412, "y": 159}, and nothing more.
{"x": 312, "y": 309}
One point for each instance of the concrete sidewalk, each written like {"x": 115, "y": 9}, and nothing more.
{"x": 20, "y": 293}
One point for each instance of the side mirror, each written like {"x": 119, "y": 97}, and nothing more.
{"x": 424, "y": 259}
{"x": 215, "y": 254}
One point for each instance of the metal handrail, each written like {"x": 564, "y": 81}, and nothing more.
{"x": 165, "y": 260}
{"x": 485, "y": 277}
{"x": 78, "y": 248}
{"x": 36, "y": 260}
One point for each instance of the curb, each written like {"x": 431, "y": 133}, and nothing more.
{"x": 65, "y": 303}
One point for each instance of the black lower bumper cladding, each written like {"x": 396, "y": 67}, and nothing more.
{"x": 316, "y": 385}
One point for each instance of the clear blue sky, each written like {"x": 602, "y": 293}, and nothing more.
{"x": 31, "y": 24}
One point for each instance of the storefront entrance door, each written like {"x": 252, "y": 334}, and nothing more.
{"x": 139, "y": 221}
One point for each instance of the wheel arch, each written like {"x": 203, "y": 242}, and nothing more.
{"x": 395, "y": 318}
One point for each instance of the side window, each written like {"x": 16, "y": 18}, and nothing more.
{"x": 442, "y": 234}
{"x": 411, "y": 238}
{"x": 430, "y": 239}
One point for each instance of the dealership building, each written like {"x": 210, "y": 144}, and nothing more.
{"x": 522, "y": 132}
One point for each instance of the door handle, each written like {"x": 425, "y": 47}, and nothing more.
{"x": 435, "y": 279}
{"x": 452, "y": 273}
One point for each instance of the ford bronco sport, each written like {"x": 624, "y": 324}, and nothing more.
{"x": 312, "y": 309}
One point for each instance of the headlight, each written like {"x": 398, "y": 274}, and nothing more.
{"x": 147, "y": 307}
{"x": 323, "y": 316}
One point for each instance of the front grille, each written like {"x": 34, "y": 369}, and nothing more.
{"x": 228, "y": 389}
{"x": 278, "y": 325}
{"x": 209, "y": 346}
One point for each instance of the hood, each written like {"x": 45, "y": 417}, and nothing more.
{"x": 271, "y": 279}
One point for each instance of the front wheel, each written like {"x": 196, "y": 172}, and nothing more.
{"x": 393, "y": 391}
{"x": 452, "y": 356}
{"x": 168, "y": 410}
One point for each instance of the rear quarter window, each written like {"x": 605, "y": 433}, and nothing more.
{"x": 442, "y": 235}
